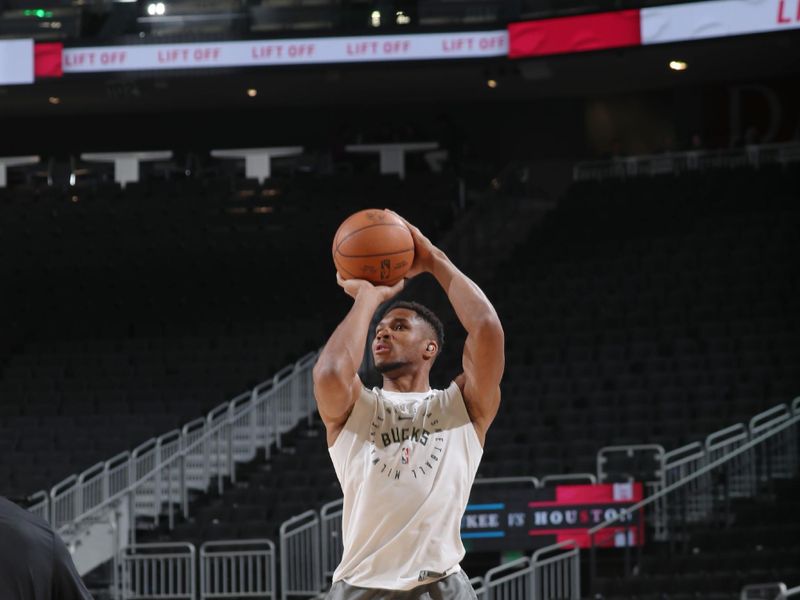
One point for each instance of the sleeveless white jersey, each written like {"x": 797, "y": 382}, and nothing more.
{"x": 406, "y": 463}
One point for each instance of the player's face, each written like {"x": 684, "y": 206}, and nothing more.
{"x": 400, "y": 340}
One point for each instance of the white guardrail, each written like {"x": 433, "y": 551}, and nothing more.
{"x": 690, "y": 160}
{"x": 689, "y": 467}
{"x": 301, "y": 573}
{"x": 769, "y": 450}
{"x": 311, "y": 542}
{"x": 746, "y": 455}
{"x": 155, "y": 478}
{"x": 699, "y": 483}
{"x": 238, "y": 569}
{"x": 160, "y": 570}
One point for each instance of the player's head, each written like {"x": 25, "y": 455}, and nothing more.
{"x": 408, "y": 336}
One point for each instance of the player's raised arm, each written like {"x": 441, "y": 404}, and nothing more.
{"x": 484, "y": 353}
{"x": 336, "y": 382}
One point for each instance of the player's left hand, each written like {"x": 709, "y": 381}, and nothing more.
{"x": 423, "y": 249}
{"x": 356, "y": 287}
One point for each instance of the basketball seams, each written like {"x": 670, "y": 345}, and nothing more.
{"x": 348, "y": 271}
{"x": 343, "y": 255}
{"x": 355, "y": 231}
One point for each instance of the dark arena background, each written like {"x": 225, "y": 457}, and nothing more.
{"x": 622, "y": 178}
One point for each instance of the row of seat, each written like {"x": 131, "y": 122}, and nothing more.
{"x": 138, "y": 310}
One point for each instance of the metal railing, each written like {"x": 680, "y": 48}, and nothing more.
{"x": 301, "y": 573}
{"x": 39, "y": 504}
{"x": 154, "y": 479}
{"x": 509, "y": 581}
{"x": 517, "y": 481}
{"x": 631, "y": 454}
{"x": 311, "y": 543}
{"x": 763, "y": 591}
{"x": 331, "y": 540}
{"x": 551, "y": 572}
{"x": 479, "y": 586}
{"x": 535, "y": 482}
{"x": 569, "y": 478}
{"x": 702, "y": 483}
{"x": 556, "y": 571}
{"x": 157, "y": 571}
{"x": 231, "y": 570}
{"x": 691, "y": 160}
{"x": 330, "y": 516}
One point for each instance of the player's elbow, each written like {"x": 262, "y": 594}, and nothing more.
{"x": 489, "y": 330}
{"x": 324, "y": 370}
{"x": 329, "y": 373}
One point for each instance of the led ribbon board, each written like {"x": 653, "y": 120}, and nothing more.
{"x": 498, "y": 519}
{"x": 255, "y": 53}
{"x": 657, "y": 25}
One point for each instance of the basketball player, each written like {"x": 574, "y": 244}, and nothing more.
{"x": 34, "y": 562}
{"x": 406, "y": 455}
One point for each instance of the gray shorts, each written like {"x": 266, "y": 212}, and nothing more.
{"x": 452, "y": 587}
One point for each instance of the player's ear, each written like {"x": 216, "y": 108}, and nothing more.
{"x": 431, "y": 348}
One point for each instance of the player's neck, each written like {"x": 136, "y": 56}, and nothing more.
{"x": 411, "y": 382}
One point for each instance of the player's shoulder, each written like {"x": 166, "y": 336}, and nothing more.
{"x": 453, "y": 392}
{"x": 369, "y": 395}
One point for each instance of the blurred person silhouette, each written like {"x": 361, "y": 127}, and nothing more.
{"x": 34, "y": 562}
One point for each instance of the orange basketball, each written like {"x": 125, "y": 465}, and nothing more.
{"x": 374, "y": 245}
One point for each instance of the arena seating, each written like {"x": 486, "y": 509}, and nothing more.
{"x": 641, "y": 311}
{"x": 648, "y": 310}
{"x": 132, "y": 312}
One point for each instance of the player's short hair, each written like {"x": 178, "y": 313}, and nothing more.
{"x": 424, "y": 313}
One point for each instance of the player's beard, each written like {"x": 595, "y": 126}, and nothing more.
{"x": 390, "y": 366}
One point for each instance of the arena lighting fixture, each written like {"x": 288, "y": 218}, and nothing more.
{"x": 678, "y": 65}
{"x": 252, "y": 92}
{"x": 156, "y": 8}
{"x": 39, "y": 13}
{"x": 54, "y": 100}
{"x": 492, "y": 83}
{"x": 375, "y": 18}
{"x": 402, "y": 18}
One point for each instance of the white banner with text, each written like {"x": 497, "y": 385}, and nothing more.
{"x": 148, "y": 57}
{"x": 717, "y": 18}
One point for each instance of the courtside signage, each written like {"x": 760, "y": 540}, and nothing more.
{"x": 718, "y": 18}
{"x": 16, "y": 62}
{"x": 498, "y": 519}
{"x": 656, "y": 25}
{"x": 150, "y": 57}
{"x": 574, "y": 34}
{"x": 628, "y": 28}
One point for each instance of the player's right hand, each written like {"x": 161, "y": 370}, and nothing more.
{"x": 356, "y": 287}
{"x": 424, "y": 249}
